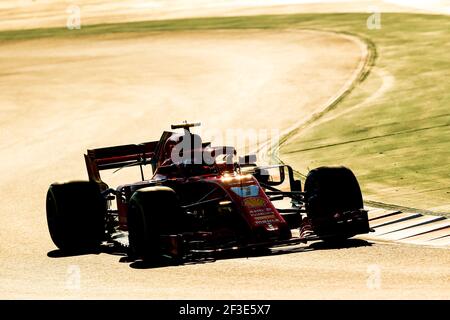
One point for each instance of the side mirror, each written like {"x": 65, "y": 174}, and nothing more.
{"x": 296, "y": 185}
{"x": 272, "y": 176}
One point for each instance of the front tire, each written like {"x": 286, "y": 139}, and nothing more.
{"x": 331, "y": 192}
{"x": 153, "y": 211}
{"x": 76, "y": 215}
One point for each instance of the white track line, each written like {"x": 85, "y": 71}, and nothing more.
{"x": 412, "y": 228}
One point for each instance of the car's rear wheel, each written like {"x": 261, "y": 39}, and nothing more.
{"x": 153, "y": 212}
{"x": 330, "y": 192}
{"x": 76, "y": 215}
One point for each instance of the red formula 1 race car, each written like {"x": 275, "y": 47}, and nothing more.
{"x": 200, "y": 200}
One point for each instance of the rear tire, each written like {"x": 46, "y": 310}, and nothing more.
{"x": 330, "y": 191}
{"x": 76, "y": 215}
{"x": 153, "y": 211}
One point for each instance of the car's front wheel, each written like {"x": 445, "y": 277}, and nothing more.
{"x": 153, "y": 212}
{"x": 334, "y": 203}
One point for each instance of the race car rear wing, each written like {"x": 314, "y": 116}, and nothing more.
{"x": 117, "y": 157}
{"x": 123, "y": 156}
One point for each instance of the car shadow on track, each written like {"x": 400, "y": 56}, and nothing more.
{"x": 261, "y": 252}
{"x": 345, "y": 244}
{"x": 57, "y": 253}
{"x": 265, "y": 252}
{"x": 322, "y": 245}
